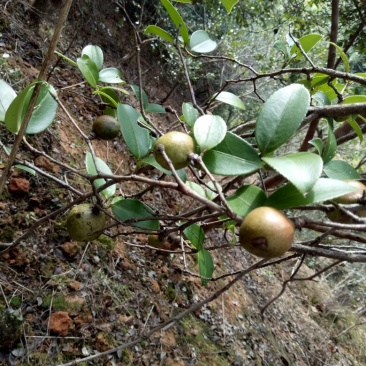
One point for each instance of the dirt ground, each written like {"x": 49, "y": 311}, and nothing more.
{"x": 77, "y": 299}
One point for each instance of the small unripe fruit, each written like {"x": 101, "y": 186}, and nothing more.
{"x": 178, "y": 146}
{"x": 84, "y": 221}
{"x": 354, "y": 196}
{"x": 266, "y": 232}
{"x": 106, "y": 127}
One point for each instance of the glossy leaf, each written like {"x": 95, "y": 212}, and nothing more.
{"x": 177, "y": 20}
{"x": 95, "y": 53}
{"x": 356, "y": 127}
{"x": 134, "y": 211}
{"x": 157, "y": 31}
{"x": 99, "y": 167}
{"x": 190, "y": 113}
{"x": 354, "y": 99}
{"x": 284, "y": 48}
{"x": 196, "y": 188}
{"x": 330, "y": 148}
{"x": 205, "y": 265}
{"x": 338, "y": 169}
{"x": 136, "y": 90}
{"x": 201, "y": 42}
{"x": 307, "y": 42}
{"x": 89, "y": 70}
{"x": 211, "y": 191}
{"x": 302, "y": 169}
{"x": 109, "y": 96}
{"x": 42, "y": 116}
{"x": 15, "y": 113}
{"x": 344, "y": 58}
{"x": 136, "y": 138}
{"x": 233, "y": 156}
{"x": 155, "y": 108}
{"x": 195, "y": 234}
{"x": 151, "y": 161}
{"x": 324, "y": 189}
{"x": 318, "y": 144}
{"x": 229, "y": 4}
{"x": 110, "y": 75}
{"x": 245, "y": 199}
{"x": 281, "y": 116}
{"x": 229, "y": 98}
{"x": 209, "y": 131}
{"x": 7, "y": 95}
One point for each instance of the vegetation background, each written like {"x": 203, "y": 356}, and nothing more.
{"x": 103, "y": 302}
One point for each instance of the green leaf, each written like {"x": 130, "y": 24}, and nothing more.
{"x": 324, "y": 189}
{"x": 356, "y": 127}
{"x": 330, "y": 146}
{"x": 99, "y": 167}
{"x": 7, "y": 95}
{"x": 354, "y": 99}
{"x": 245, "y": 199}
{"x": 108, "y": 96}
{"x": 190, "y": 113}
{"x": 338, "y": 169}
{"x": 318, "y": 144}
{"x": 229, "y": 98}
{"x": 229, "y": 4}
{"x": 343, "y": 57}
{"x": 201, "y": 42}
{"x": 42, "y": 116}
{"x": 302, "y": 169}
{"x": 136, "y": 90}
{"x": 281, "y": 116}
{"x": 15, "y": 113}
{"x": 195, "y": 234}
{"x": 136, "y": 138}
{"x": 196, "y": 188}
{"x": 155, "y": 108}
{"x": 110, "y": 75}
{"x": 151, "y": 161}
{"x": 26, "y": 169}
{"x": 205, "y": 265}
{"x": 95, "y": 53}
{"x": 209, "y": 131}
{"x": 233, "y": 156}
{"x": 321, "y": 98}
{"x": 134, "y": 211}
{"x": 89, "y": 70}
{"x": 157, "y": 31}
{"x": 177, "y": 20}
{"x": 307, "y": 43}
{"x": 211, "y": 191}
{"x": 284, "y": 48}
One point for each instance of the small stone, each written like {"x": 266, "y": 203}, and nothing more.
{"x": 71, "y": 248}
{"x": 60, "y": 323}
{"x": 18, "y": 186}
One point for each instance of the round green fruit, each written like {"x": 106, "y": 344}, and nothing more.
{"x": 106, "y": 127}
{"x": 84, "y": 222}
{"x": 352, "y": 197}
{"x": 178, "y": 146}
{"x": 266, "y": 232}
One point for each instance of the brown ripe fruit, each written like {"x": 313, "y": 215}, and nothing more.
{"x": 84, "y": 222}
{"x": 337, "y": 215}
{"x": 266, "y": 232}
{"x": 178, "y": 146}
{"x": 354, "y": 196}
{"x": 106, "y": 127}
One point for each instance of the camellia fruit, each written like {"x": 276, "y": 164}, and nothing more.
{"x": 106, "y": 127}
{"x": 85, "y": 221}
{"x": 178, "y": 146}
{"x": 354, "y": 196}
{"x": 337, "y": 215}
{"x": 266, "y": 232}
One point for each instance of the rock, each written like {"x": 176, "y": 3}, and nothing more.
{"x": 19, "y": 186}
{"x": 60, "y": 323}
